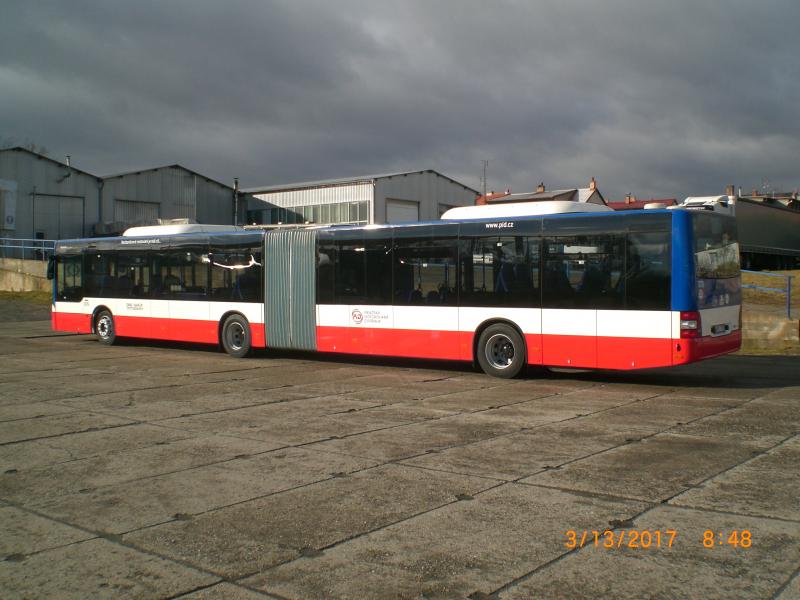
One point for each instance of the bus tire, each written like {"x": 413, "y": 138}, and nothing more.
{"x": 236, "y": 336}
{"x": 104, "y": 328}
{"x": 501, "y": 351}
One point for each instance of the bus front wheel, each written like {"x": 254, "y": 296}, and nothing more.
{"x": 104, "y": 327}
{"x": 236, "y": 336}
{"x": 501, "y": 351}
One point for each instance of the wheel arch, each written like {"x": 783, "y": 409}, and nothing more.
{"x": 495, "y": 321}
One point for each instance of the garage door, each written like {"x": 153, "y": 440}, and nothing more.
{"x": 58, "y": 217}
{"x": 402, "y": 211}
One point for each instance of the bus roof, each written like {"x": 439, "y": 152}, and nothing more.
{"x": 249, "y": 236}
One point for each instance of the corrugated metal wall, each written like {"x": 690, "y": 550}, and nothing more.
{"x": 429, "y": 189}
{"x": 352, "y": 192}
{"x": 135, "y": 211}
{"x": 63, "y": 207}
{"x": 180, "y": 194}
{"x": 290, "y": 289}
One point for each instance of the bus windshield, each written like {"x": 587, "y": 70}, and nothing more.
{"x": 716, "y": 250}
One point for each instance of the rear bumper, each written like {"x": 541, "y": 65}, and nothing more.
{"x": 694, "y": 349}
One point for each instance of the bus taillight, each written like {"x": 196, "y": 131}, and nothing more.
{"x": 690, "y": 324}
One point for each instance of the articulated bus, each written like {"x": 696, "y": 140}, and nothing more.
{"x": 596, "y": 290}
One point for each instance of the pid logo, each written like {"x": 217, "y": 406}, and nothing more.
{"x": 357, "y": 316}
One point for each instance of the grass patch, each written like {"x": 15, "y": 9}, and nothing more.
{"x": 41, "y": 298}
{"x": 777, "y": 299}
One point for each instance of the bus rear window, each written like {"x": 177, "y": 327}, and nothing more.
{"x": 716, "y": 250}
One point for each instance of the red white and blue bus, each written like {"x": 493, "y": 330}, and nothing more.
{"x": 592, "y": 289}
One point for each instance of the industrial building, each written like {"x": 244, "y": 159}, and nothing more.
{"x": 168, "y": 192}
{"x": 386, "y": 198}
{"x": 42, "y": 198}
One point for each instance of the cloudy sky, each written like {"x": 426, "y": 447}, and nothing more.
{"x": 661, "y": 99}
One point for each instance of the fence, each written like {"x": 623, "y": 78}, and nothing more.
{"x": 787, "y": 289}
{"x": 26, "y": 248}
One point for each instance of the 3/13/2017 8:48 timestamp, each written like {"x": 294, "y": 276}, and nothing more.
{"x": 652, "y": 538}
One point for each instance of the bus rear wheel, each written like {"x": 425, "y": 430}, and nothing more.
{"x": 236, "y": 336}
{"x": 104, "y": 327}
{"x": 501, "y": 351}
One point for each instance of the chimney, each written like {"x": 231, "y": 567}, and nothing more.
{"x": 628, "y": 199}
{"x": 540, "y": 189}
{"x": 593, "y": 184}
{"x": 729, "y": 190}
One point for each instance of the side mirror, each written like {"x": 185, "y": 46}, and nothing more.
{"x": 51, "y": 267}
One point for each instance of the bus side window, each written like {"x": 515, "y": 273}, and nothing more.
{"x": 134, "y": 275}
{"x": 648, "y": 272}
{"x": 424, "y": 271}
{"x": 326, "y": 259}
{"x": 378, "y": 270}
{"x": 351, "y": 278}
{"x": 500, "y": 271}
{"x": 584, "y": 271}
{"x": 236, "y": 273}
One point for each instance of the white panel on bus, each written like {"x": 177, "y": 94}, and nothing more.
{"x": 428, "y": 318}
{"x": 562, "y": 321}
{"x": 333, "y": 315}
{"x": 634, "y": 323}
{"x": 370, "y": 316}
{"x": 529, "y": 320}
{"x": 191, "y": 310}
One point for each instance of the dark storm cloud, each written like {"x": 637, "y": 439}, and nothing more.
{"x": 665, "y": 99}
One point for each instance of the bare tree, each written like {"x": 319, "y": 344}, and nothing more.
{"x": 10, "y": 141}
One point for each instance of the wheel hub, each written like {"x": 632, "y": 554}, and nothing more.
{"x": 104, "y": 327}
{"x": 500, "y": 351}
{"x": 236, "y": 336}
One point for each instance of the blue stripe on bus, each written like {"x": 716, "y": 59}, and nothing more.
{"x": 683, "y": 283}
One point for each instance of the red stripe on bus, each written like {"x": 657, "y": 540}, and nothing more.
{"x": 616, "y": 353}
{"x": 413, "y": 343}
{"x": 72, "y": 322}
{"x": 177, "y": 330}
{"x": 552, "y": 350}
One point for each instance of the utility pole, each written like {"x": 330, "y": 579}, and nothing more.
{"x": 235, "y": 200}
{"x": 483, "y": 179}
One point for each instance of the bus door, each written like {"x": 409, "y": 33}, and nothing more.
{"x": 184, "y": 283}
{"x": 581, "y": 274}
{"x": 69, "y": 310}
{"x": 424, "y": 292}
{"x": 124, "y": 276}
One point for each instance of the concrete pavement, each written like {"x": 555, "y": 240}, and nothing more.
{"x": 166, "y": 470}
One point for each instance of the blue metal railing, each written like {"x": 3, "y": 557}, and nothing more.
{"x": 26, "y": 248}
{"x": 787, "y": 289}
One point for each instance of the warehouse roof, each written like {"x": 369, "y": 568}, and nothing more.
{"x": 52, "y": 160}
{"x": 175, "y": 166}
{"x": 345, "y": 180}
